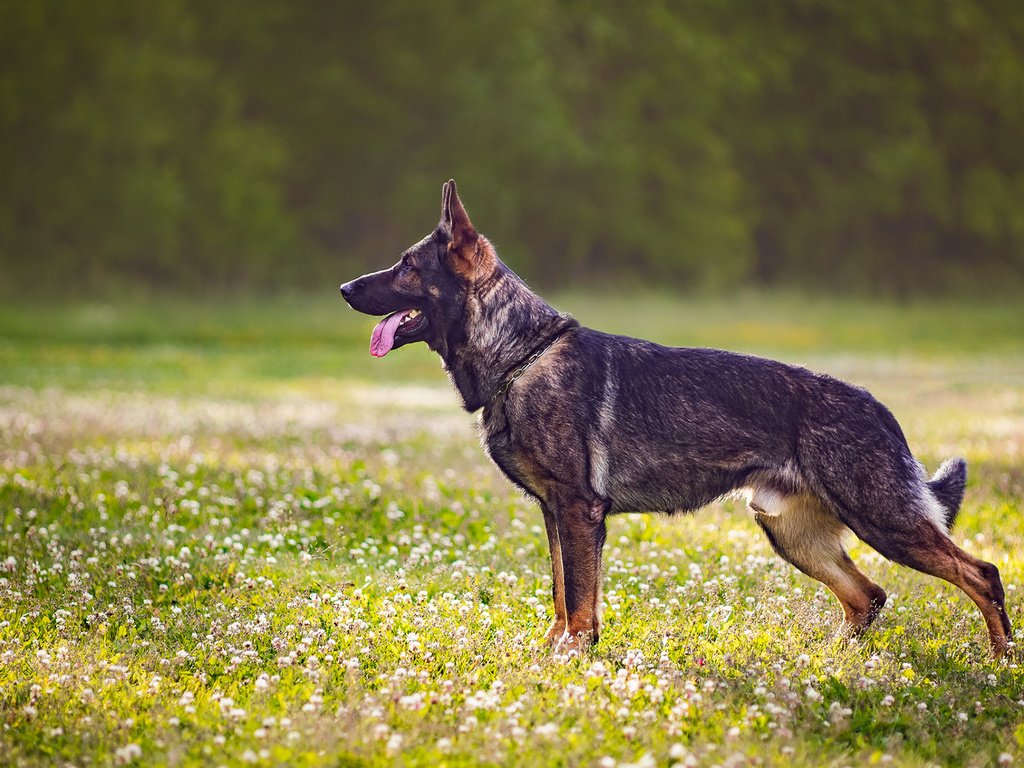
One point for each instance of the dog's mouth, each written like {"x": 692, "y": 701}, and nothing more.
{"x": 396, "y": 329}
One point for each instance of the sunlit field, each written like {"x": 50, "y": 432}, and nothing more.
{"x": 231, "y": 537}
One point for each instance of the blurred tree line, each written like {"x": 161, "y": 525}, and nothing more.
{"x": 230, "y": 145}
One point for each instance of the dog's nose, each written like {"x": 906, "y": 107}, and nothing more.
{"x": 346, "y": 289}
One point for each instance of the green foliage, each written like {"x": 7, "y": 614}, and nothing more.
{"x": 235, "y": 145}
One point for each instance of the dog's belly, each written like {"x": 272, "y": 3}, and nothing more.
{"x": 665, "y": 486}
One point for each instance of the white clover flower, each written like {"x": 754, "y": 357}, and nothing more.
{"x": 127, "y": 754}
{"x": 546, "y": 730}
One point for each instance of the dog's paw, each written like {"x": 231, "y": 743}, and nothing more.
{"x": 575, "y": 641}
{"x": 554, "y": 634}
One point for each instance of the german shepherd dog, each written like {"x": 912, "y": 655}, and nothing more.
{"x": 590, "y": 424}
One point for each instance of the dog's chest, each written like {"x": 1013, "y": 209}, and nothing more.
{"x": 505, "y": 446}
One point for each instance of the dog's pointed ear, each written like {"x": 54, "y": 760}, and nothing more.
{"x": 464, "y": 250}
{"x": 453, "y": 213}
{"x": 446, "y": 219}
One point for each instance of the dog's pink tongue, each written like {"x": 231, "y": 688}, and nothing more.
{"x": 383, "y": 337}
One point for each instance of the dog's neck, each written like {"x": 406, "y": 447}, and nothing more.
{"x": 505, "y": 323}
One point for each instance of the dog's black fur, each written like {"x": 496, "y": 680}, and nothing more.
{"x": 592, "y": 424}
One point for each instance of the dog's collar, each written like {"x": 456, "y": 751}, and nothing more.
{"x": 526, "y": 364}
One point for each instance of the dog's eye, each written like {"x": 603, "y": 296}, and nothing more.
{"x": 406, "y": 266}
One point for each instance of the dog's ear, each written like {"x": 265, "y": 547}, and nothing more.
{"x": 446, "y": 219}
{"x": 468, "y": 253}
{"x": 453, "y": 214}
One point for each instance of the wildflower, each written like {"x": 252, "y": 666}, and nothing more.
{"x": 127, "y": 754}
{"x": 394, "y": 742}
{"x": 645, "y": 761}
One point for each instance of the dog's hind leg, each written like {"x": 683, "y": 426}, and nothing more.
{"x": 927, "y": 549}
{"x": 807, "y": 536}
{"x": 853, "y": 454}
{"x": 557, "y": 578}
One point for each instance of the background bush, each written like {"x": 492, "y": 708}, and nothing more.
{"x": 186, "y": 145}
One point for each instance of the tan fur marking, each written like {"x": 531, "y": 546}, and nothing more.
{"x": 581, "y": 565}
{"x": 557, "y": 578}
{"x": 810, "y": 538}
{"x": 474, "y": 260}
{"x": 934, "y": 553}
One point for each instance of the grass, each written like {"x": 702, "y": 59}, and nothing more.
{"x": 230, "y": 537}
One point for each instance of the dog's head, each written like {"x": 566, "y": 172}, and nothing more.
{"x": 423, "y": 295}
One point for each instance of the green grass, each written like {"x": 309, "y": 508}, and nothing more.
{"x": 230, "y": 537}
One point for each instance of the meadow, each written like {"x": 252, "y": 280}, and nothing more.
{"x": 231, "y": 537}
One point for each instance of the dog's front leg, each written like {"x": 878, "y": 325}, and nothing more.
{"x": 581, "y": 534}
{"x": 557, "y": 581}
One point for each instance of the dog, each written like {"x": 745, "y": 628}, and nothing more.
{"x": 591, "y": 424}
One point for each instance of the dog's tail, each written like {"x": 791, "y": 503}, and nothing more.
{"x": 948, "y": 486}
